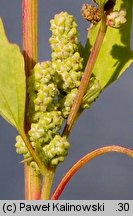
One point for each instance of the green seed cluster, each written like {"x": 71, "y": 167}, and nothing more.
{"x": 52, "y": 87}
{"x": 65, "y": 102}
{"x": 64, "y": 39}
{"x": 42, "y": 89}
{"x": 46, "y": 127}
{"x": 21, "y": 148}
{"x": 56, "y": 150}
{"x": 70, "y": 71}
{"x": 66, "y": 59}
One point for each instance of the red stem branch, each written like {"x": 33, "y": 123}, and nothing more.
{"x": 86, "y": 77}
{"x": 81, "y": 162}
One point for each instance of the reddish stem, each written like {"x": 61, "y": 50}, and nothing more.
{"x": 32, "y": 184}
{"x": 86, "y": 77}
{"x": 29, "y": 31}
{"x": 81, "y": 162}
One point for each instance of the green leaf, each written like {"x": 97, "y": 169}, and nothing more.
{"x": 12, "y": 82}
{"x": 115, "y": 55}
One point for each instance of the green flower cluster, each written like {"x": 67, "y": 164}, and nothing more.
{"x": 52, "y": 87}
{"x": 64, "y": 39}
{"x": 92, "y": 93}
{"x": 66, "y": 59}
{"x": 65, "y": 51}
{"x": 21, "y": 148}
{"x": 56, "y": 150}
{"x": 70, "y": 71}
{"x": 42, "y": 89}
{"x": 46, "y": 127}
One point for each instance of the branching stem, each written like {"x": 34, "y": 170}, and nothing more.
{"x": 33, "y": 153}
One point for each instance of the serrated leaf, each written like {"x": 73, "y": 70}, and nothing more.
{"x": 115, "y": 55}
{"x": 12, "y": 82}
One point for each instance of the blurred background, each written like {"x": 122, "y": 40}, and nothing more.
{"x": 109, "y": 121}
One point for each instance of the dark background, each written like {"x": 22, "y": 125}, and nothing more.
{"x": 109, "y": 121}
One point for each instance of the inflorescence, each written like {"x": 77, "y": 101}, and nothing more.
{"x": 52, "y": 87}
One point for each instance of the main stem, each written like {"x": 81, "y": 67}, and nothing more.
{"x": 29, "y": 30}
{"x": 86, "y": 77}
{"x": 47, "y": 183}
